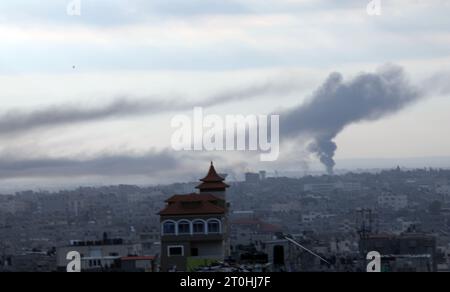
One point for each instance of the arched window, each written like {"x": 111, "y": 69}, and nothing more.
{"x": 184, "y": 227}
{"x": 214, "y": 226}
{"x": 199, "y": 227}
{"x": 169, "y": 227}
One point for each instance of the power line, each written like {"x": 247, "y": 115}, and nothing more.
{"x": 307, "y": 250}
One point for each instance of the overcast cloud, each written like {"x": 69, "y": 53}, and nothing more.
{"x": 61, "y": 76}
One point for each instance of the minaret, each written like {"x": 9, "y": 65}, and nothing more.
{"x": 213, "y": 183}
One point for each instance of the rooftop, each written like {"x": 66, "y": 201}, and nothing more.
{"x": 212, "y": 180}
{"x": 194, "y": 204}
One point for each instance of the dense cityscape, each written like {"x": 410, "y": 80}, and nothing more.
{"x": 270, "y": 223}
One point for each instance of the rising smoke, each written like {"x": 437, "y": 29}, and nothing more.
{"x": 338, "y": 103}
{"x": 17, "y": 121}
{"x": 333, "y": 106}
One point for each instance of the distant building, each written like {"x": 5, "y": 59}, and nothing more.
{"x": 323, "y": 188}
{"x": 252, "y": 178}
{"x": 393, "y": 201}
{"x": 286, "y": 207}
{"x": 326, "y": 188}
{"x": 30, "y": 261}
{"x": 349, "y": 186}
{"x": 262, "y": 175}
{"x": 443, "y": 190}
{"x": 194, "y": 227}
{"x": 249, "y": 214}
{"x": 246, "y": 231}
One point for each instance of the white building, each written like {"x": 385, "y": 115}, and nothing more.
{"x": 96, "y": 255}
{"x": 325, "y": 188}
{"x": 320, "y": 188}
{"x": 392, "y": 201}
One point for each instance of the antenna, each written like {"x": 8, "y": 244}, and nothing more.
{"x": 366, "y": 218}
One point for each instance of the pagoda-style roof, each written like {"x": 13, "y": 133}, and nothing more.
{"x": 212, "y": 175}
{"x": 194, "y": 204}
{"x": 212, "y": 181}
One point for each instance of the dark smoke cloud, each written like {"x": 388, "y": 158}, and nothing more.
{"x": 19, "y": 121}
{"x": 164, "y": 166}
{"x": 338, "y": 103}
{"x": 108, "y": 165}
{"x": 335, "y": 105}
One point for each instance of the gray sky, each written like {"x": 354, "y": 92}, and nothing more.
{"x": 133, "y": 62}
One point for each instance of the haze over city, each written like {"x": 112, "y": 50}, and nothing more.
{"x": 230, "y": 140}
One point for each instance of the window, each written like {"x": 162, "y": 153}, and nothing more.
{"x": 199, "y": 227}
{"x": 214, "y": 226}
{"x": 177, "y": 250}
{"x": 194, "y": 252}
{"x": 169, "y": 227}
{"x": 184, "y": 227}
{"x": 95, "y": 263}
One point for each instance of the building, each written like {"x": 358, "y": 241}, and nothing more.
{"x": 323, "y": 188}
{"x": 252, "y": 178}
{"x": 98, "y": 255}
{"x": 393, "y": 201}
{"x": 408, "y": 252}
{"x": 262, "y": 175}
{"x": 246, "y": 231}
{"x": 327, "y": 188}
{"x": 194, "y": 227}
{"x": 137, "y": 264}
{"x": 29, "y": 261}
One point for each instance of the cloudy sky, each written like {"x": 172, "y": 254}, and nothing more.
{"x": 88, "y": 99}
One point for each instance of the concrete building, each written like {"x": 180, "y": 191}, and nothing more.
{"x": 322, "y": 188}
{"x": 408, "y": 252}
{"x": 245, "y": 231}
{"x": 29, "y": 261}
{"x": 194, "y": 227}
{"x": 393, "y": 201}
{"x": 252, "y": 178}
{"x": 262, "y": 175}
{"x": 137, "y": 264}
{"x": 97, "y": 255}
{"x": 326, "y": 188}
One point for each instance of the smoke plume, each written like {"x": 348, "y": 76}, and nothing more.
{"x": 338, "y": 103}
{"x": 18, "y": 121}
{"x": 333, "y": 106}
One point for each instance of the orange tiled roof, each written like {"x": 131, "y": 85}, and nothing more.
{"x": 138, "y": 258}
{"x": 193, "y": 197}
{"x": 193, "y": 204}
